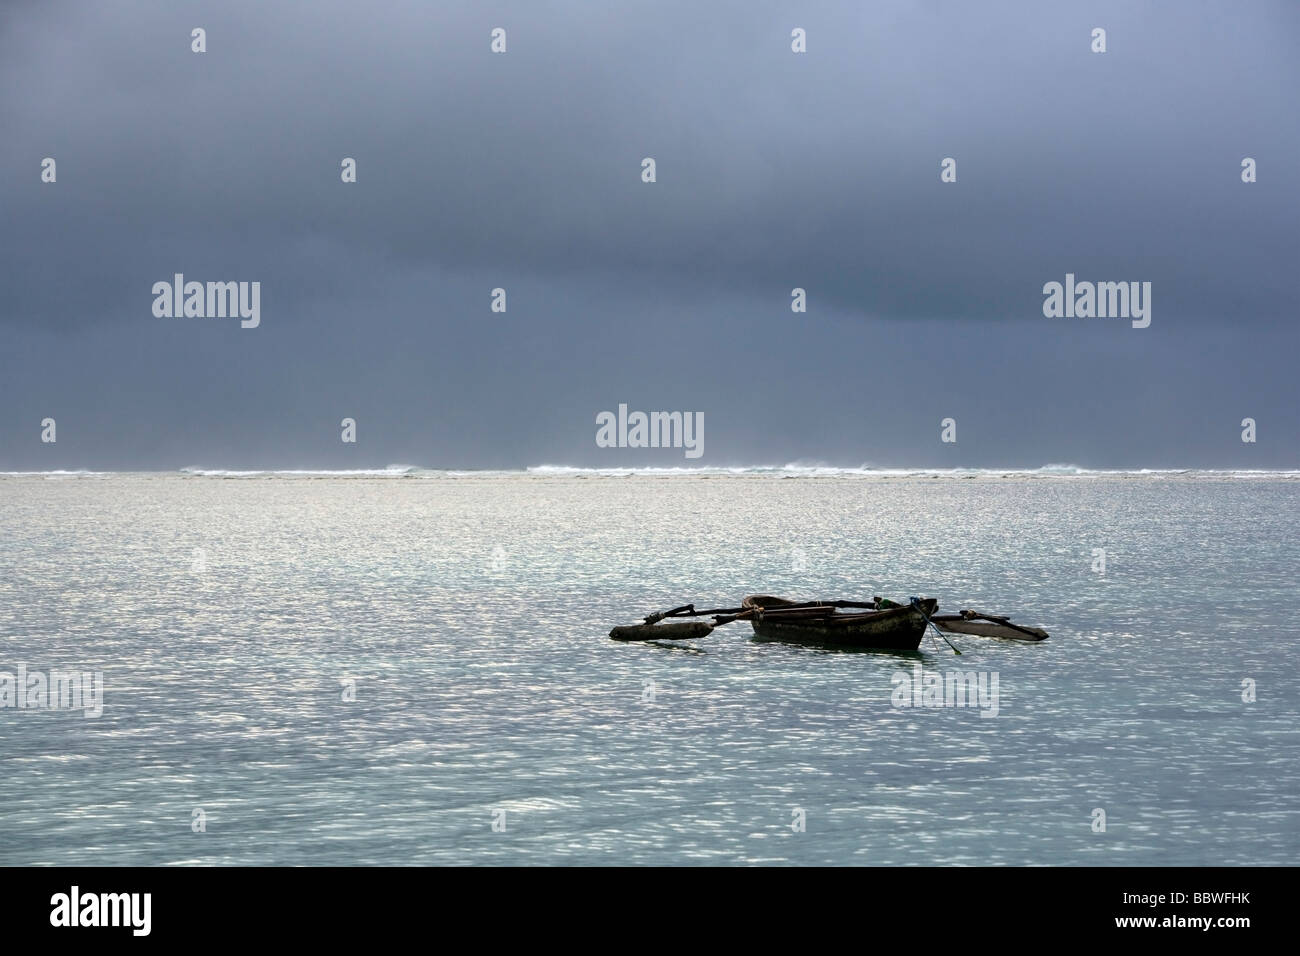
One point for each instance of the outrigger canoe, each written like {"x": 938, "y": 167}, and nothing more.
{"x": 893, "y": 629}
{"x": 889, "y": 627}
{"x": 881, "y": 624}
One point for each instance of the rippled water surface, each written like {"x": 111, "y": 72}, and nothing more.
{"x": 472, "y": 612}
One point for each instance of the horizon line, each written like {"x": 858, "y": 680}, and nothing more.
{"x": 789, "y": 470}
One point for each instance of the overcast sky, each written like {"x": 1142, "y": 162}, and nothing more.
{"x": 522, "y": 170}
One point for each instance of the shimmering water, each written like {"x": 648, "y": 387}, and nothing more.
{"x": 472, "y": 612}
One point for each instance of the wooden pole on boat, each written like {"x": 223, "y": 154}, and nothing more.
{"x": 916, "y": 603}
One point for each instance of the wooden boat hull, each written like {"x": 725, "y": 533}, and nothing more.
{"x": 895, "y": 629}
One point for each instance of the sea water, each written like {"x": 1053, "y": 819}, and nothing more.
{"x": 409, "y": 667}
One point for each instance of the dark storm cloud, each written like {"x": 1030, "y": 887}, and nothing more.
{"x": 522, "y": 171}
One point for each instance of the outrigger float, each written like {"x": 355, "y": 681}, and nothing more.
{"x": 880, "y": 624}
